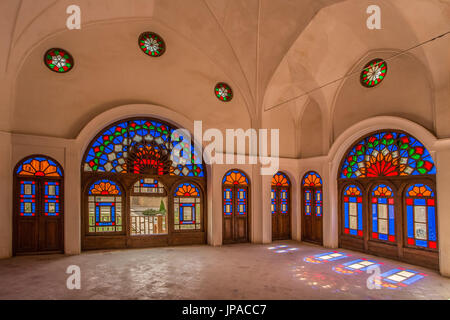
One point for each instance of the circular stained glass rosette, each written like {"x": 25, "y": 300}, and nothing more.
{"x": 374, "y": 72}
{"x": 58, "y": 60}
{"x": 152, "y": 44}
{"x": 223, "y": 92}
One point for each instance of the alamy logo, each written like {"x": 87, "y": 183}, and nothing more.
{"x": 74, "y": 280}
{"x": 74, "y": 20}
{"x": 374, "y": 21}
{"x": 235, "y": 150}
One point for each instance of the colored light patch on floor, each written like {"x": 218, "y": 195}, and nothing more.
{"x": 326, "y": 257}
{"x": 355, "y": 266}
{"x": 397, "y": 278}
{"x": 283, "y": 249}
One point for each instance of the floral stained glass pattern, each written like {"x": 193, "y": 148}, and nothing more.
{"x": 152, "y": 44}
{"x": 187, "y": 190}
{"x": 235, "y": 177}
{"x": 373, "y": 73}
{"x": 312, "y": 179}
{"x": 223, "y": 92}
{"x": 387, "y": 154}
{"x": 39, "y": 167}
{"x": 143, "y": 146}
{"x": 280, "y": 180}
{"x": 421, "y": 221}
{"x": 105, "y": 187}
{"x": 58, "y": 60}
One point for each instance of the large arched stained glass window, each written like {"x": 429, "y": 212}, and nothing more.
{"x": 394, "y": 175}
{"x": 143, "y": 146}
{"x": 105, "y": 207}
{"x": 187, "y": 207}
{"x": 353, "y": 211}
{"x": 383, "y": 213}
{"x": 387, "y": 154}
{"x": 421, "y": 216}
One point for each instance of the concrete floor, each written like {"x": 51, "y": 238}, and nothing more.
{"x": 277, "y": 271}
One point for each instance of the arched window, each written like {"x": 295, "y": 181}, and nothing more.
{"x": 143, "y": 146}
{"x": 353, "y": 220}
{"x": 389, "y": 169}
{"x": 280, "y": 200}
{"x": 421, "y": 216}
{"x": 235, "y": 186}
{"x": 38, "y": 208}
{"x": 312, "y": 207}
{"x": 105, "y": 207}
{"x": 383, "y": 213}
{"x": 146, "y": 159}
{"x": 187, "y": 207}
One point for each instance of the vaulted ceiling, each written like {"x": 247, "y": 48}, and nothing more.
{"x": 268, "y": 51}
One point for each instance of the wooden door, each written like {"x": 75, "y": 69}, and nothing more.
{"x": 281, "y": 217}
{"x": 235, "y": 214}
{"x": 38, "y": 216}
{"x": 312, "y": 215}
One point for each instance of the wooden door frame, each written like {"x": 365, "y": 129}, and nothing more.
{"x": 39, "y": 197}
{"x": 248, "y": 186}
{"x": 289, "y": 190}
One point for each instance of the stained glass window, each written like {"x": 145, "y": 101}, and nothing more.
{"x": 280, "y": 179}
{"x": 421, "y": 216}
{"x": 39, "y": 167}
{"x": 312, "y": 179}
{"x": 223, "y": 92}
{"x": 373, "y": 73}
{"x": 51, "y": 198}
{"x": 58, "y": 60}
{"x": 187, "y": 207}
{"x": 353, "y": 220}
{"x": 148, "y": 185}
{"x": 241, "y": 201}
{"x": 28, "y": 198}
{"x": 143, "y": 146}
{"x": 273, "y": 201}
{"x": 235, "y": 186}
{"x": 383, "y": 213}
{"x": 235, "y": 177}
{"x": 152, "y": 44}
{"x": 387, "y": 154}
{"x": 319, "y": 200}
{"x": 105, "y": 207}
{"x": 308, "y": 196}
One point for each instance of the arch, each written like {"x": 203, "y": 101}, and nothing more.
{"x": 236, "y": 201}
{"x": 281, "y": 206}
{"x": 38, "y": 209}
{"x": 145, "y": 155}
{"x": 312, "y": 208}
{"x": 386, "y": 165}
{"x": 143, "y": 145}
{"x": 39, "y": 166}
{"x": 387, "y": 153}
